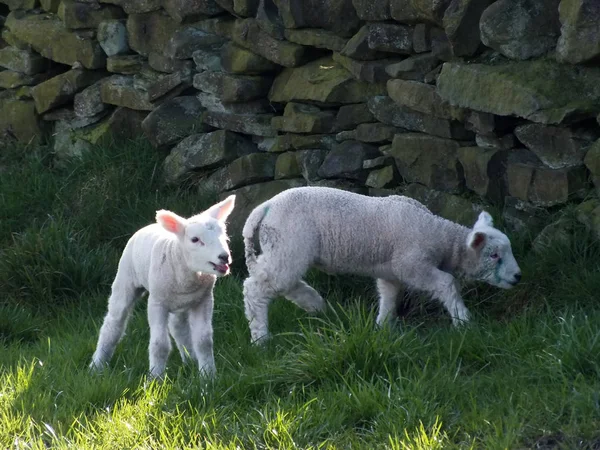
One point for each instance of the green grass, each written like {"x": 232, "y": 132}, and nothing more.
{"x": 524, "y": 374}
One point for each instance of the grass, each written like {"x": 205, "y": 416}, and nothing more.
{"x": 524, "y": 374}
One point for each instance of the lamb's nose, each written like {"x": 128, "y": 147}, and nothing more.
{"x": 518, "y": 277}
{"x": 224, "y": 257}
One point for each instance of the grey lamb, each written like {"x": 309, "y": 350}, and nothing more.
{"x": 395, "y": 239}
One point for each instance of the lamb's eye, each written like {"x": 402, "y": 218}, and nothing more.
{"x": 494, "y": 256}
{"x": 196, "y": 240}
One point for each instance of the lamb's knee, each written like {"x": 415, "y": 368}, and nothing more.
{"x": 306, "y": 298}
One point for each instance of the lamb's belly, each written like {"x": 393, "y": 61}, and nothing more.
{"x": 378, "y": 270}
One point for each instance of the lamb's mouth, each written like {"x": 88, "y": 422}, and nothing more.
{"x": 221, "y": 268}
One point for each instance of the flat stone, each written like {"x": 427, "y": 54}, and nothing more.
{"x": 268, "y": 19}
{"x": 543, "y": 186}
{"x": 358, "y": 46}
{"x": 233, "y": 88}
{"x": 423, "y": 98}
{"x": 181, "y": 10}
{"x": 349, "y": 116}
{"x": 253, "y": 124}
{"x": 422, "y": 38}
{"x": 286, "y": 166}
{"x": 165, "y": 64}
{"x": 13, "y": 80}
{"x": 48, "y": 37}
{"x": 119, "y": 90}
{"x": 428, "y": 160}
{"x": 290, "y": 141}
{"x": 382, "y": 178}
{"x": 249, "y": 197}
{"x": 50, "y": 5}
{"x": 338, "y": 16}
{"x": 318, "y": 38}
{"x": 244, "y": 8}
{"x": 213, "y": 103}
{"x": 112, "y": 37}
{"x": 369, "y": 71}
{"x": 309, "y": 162}
{"x": 88, "y": 102}
{"x": 556, "y": 147}
{"x": 414, "y": 67}
{"x": 505, "y": 142}
{"x": 376, "y": 132}
{"x": 484, "y": 171}
{"x": 24, "y": 5}
{"x": 521, "y": 29}
{"x": 248, "y": 169}
{"x": 302, "y": 118}
{"x": 387, "y": 111}
{"x": 323, "y": 81}
{"x": 62, "y": 88}
{"x": 208, "y": 60}
{"x": 136, "y": 6}
{"x": 390, "y": 38}
{"x": 18, "y": 118}
{"x": 150, "y": 32}
{"x": 533, "y": 90}
{"x": 346, "y": 160}
{"x": 372, "y": 10}
{"x": 175, "y": 119}
{"x": 205, "y": 151}
{"x": 125, "y": 64}
{"x": 413, "y": 11}
{"x": 461, "y": 24}
{"x": 379, "y": 162}
{"x": 73, "y": 141}
{"x": 24, "y": 61}
{"x": 579, "y": 40}
{"x": 185, "y": 41}
{"x": 248, "y": 34}
{"x": 523, "y": 217}
{"x": 238, "y": 60}
{"x": 157, "y": 84}
{"x": 78, "y": 15}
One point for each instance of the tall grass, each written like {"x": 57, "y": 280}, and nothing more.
{"x": 524, "y": 374}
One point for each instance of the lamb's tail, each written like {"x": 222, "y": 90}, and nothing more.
{"x": 249, "y": 232}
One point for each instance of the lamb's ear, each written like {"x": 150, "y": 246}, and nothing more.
{"x": 171, "y": 221}
{"x": 484, "y": 220}
{"x": 221, "y": 210}
{"x": 476, "y": 240}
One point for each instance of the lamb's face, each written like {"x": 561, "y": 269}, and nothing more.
{"x": 202, "y": 238}
{"x": 496, "y": 264}
{"x": 205, "y": 246}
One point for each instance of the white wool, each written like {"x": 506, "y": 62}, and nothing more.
{"x": 394, "y": 239}
{"x": 176, "y": 261}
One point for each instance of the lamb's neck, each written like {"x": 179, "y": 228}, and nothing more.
{"x": 456, "y": 260}
{"x": 180, "y": 266}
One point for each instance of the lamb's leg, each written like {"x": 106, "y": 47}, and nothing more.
{"x": 306, "y": 297}
{"x": 388, "y": 297}
{"x": 179, "y": 327}
{"x": 202, "y": 335}
{"x": 257, "y": 298}
{"x": 120, "y": 303}
{"x": 441, "y": 285}
{"x": 160, "y": 342}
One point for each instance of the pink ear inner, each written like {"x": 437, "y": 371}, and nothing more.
{"x": 169, "y": 222}
{"x": 478, "y": 240}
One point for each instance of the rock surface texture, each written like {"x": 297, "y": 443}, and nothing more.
{"x": 458, "y": 103}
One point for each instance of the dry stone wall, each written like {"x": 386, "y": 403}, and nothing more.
{"x": 454, "y": 102}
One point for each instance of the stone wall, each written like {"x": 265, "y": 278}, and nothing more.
{"x": 455, "y": 102}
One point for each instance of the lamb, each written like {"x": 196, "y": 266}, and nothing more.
{"x": 395, "y": 239}
{"x": 177, "y": 261}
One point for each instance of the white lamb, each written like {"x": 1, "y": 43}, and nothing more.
{"x": 177, "y": 261}
{"x": 394, "y": 239}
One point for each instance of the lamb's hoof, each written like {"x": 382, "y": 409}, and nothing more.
{"x": 96, "y": 367}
